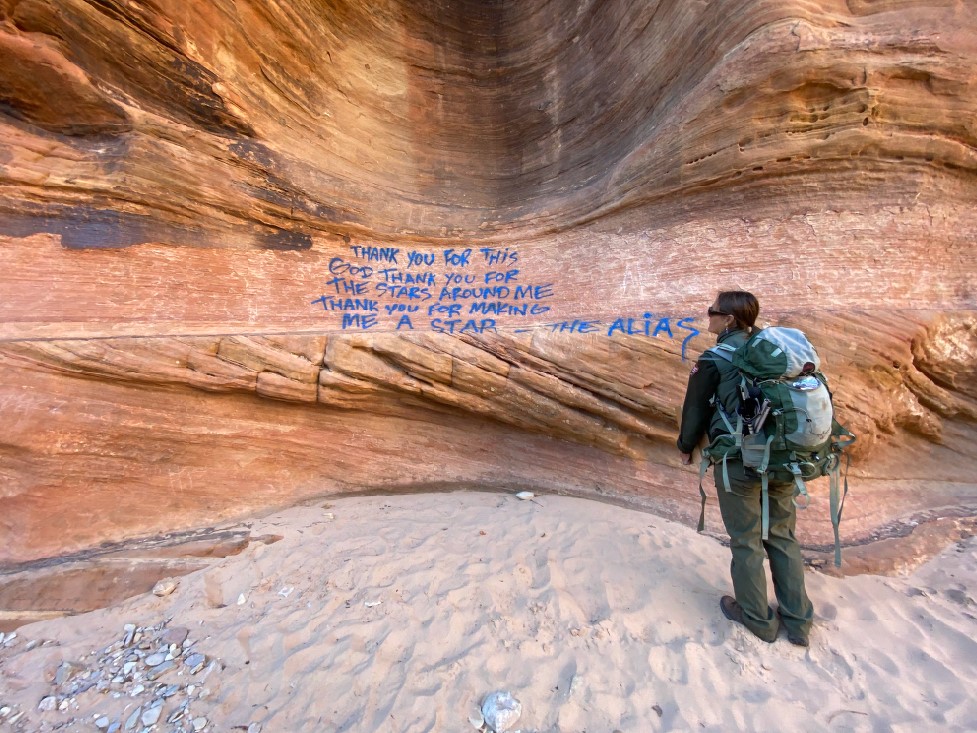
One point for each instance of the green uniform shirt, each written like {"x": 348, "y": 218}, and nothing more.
{"x": 699, "y": 413}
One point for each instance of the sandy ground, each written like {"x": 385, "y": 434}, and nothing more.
{"x": 402, "y": 613}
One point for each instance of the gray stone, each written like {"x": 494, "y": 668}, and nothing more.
{"x": 47, "y": 704}
{"x": 154, "y": 660}
{"x": 151, "y": 716}
{"x": 68, "y": 671}
{"x": 160, "y": 670}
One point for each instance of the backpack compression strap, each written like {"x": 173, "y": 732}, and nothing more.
{"x": 837, "y": 499}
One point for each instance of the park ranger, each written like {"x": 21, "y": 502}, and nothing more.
{"x": 713, "y": 384}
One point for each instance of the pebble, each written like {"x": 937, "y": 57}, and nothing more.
{"x": 199, "y": 723}
{"x": 154, "y": 660}
{"x": 133, "y": 719}
{"x": 176, "y": 715}
{"x": 151, "y": 716}
{"x": 525, "y": 495}
{"x": 254, "y": 728}
{"x": 165, "y": 587}
{"x": 102, "y": 722}
{"x": 177, "y": 635}
{"x": 47, "y": 704}
{"x": 159, "y": 671}
{"x": 5, "y": 711}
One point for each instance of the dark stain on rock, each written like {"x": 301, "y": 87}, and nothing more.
{"x": 253, "y": 152}
{"x": 84, "y": 227}
{"x": 283, "y": 239}
{"x": 263, "y": 164}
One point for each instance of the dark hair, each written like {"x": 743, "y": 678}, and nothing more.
{"x": 741, "y": 305}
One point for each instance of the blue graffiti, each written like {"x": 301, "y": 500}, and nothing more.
{"x": 482, "y": 282}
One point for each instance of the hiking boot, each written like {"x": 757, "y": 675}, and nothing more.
{"x": 734, "y": 612}
{"x": 731, "y": 609}
{"x": 793, "y": 637}
{"x": 797, "y": 639}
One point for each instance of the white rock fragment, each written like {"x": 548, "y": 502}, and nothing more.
{"x": 47, "y": 704}
{"x": 199, "y": 723}
{"x": 154, "y": 660}
{"x": 102, "y": 722}
{"x": 5, "y": 711}
{"x": 286, "y": 592}
{"x": 254, "y": 728}
{"x": 501, "y": 711}
{"x": 165, "y": 587}
{"x": 242, "y": 599}
{"x": 372, "y": 604}
{"x": 195, "y": 662}
{"x": 525, "y": 495}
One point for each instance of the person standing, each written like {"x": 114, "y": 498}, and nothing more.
{"x": 715, "y": 381}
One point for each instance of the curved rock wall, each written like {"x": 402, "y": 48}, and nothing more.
{"x": 253, "y": 253}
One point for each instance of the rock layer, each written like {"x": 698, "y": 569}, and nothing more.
{"x": 184, "y": 184}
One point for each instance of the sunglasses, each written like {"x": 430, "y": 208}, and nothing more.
{"x": 714, "y": 312}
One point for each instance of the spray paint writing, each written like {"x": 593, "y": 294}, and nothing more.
{"x": 461, "y": 291}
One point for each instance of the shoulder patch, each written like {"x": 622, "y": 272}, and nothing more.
{"x": 695, "y": 368}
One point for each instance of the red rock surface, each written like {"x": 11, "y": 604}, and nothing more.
{"x": 179, "y": 179}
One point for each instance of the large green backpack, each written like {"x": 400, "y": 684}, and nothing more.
{"x": 780, "y": 422}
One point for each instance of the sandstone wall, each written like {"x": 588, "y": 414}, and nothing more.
{"x": 188, "y": 190}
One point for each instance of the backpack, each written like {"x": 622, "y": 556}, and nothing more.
{"x": 781, "y": 423}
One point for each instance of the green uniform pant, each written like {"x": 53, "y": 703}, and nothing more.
{"x": 741, "y": 510}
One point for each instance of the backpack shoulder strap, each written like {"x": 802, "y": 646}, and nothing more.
{"x": 723, "y": 351}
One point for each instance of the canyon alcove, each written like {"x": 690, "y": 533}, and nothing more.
{"x": 254, "y": 253}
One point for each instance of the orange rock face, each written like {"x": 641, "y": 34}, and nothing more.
{"x": 254, "y": 253}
